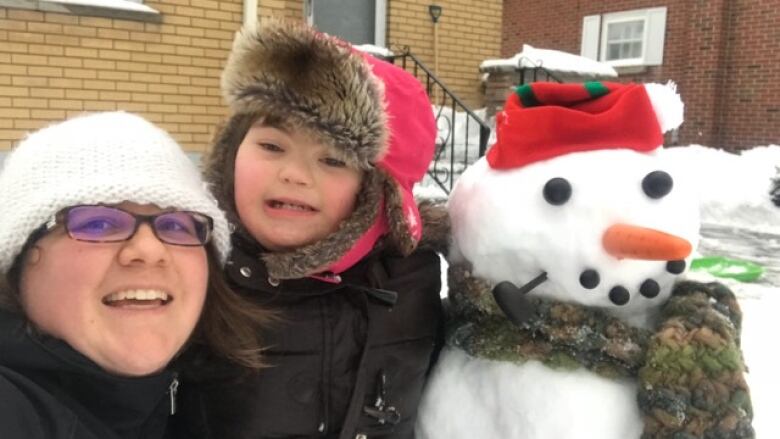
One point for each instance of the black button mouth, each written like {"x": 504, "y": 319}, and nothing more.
{"x": 675, "y": 267}
{"x": 650, "y": 288}
{"x": 590, "y": 279}
{"x": 619, "y": 295}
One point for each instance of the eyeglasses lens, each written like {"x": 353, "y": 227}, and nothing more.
{"x": 182, "y": 228}
{"x": 109, "y": 224}
{"x": 99, "y": 224}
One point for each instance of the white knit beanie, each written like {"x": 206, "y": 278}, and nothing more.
{"x": 100, "y": 158}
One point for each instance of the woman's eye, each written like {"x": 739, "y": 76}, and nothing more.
{"x": 171, "y": 226}
{"x": 335, "y": 163}
{"x": 94, "y": 225}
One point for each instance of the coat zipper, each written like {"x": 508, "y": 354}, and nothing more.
{"x": 172, "y": 390}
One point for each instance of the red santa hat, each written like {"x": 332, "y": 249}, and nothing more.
{"x": 545, "y": 120}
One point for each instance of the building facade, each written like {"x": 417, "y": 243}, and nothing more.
{"x": 724, "y": 55}
{"x": 163, "y": 59}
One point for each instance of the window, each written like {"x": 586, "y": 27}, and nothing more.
{"x": 629, "y": 38}
{"x": 356, "y": 21}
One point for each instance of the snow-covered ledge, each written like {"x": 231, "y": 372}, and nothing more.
{"x": 123, "y": 9}
{"x": 377, "y": 51}
{"x": 552, "y": 60}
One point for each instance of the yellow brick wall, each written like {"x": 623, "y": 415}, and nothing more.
{"x": 54, "y": 66}
{"x": 469, "y": 32}
{"x": 280, "y": 9}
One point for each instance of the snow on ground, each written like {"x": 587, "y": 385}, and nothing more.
{"x": 739, "y": 221}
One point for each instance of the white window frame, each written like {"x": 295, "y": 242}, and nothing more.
{"x": 380, "y": 19}
{"x": 605, "y": 40}
{"x": 594, "y": 36}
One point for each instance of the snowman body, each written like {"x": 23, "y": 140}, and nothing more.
{"x": 506, "y": 229}
{"x": 470, "y": 397}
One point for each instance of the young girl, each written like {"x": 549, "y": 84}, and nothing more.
{"x": 107, "y": 234}
{"x": 315, "y": 168}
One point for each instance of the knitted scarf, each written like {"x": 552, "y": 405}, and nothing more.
{"x": 690, "y": 368}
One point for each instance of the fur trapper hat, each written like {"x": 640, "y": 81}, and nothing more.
{"x": 375, "y": 114}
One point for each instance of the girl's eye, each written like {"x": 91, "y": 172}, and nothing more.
{"x": 335, "y": 163}
{"x": 271, "y": 147}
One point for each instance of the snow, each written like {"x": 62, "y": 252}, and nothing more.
{"x": 383, "y": 52}
{"x": 110, "y": 4}
{"x": 552, "y": 60}
{"x": 487, "y": 386}
{"x": 733, "y": 189}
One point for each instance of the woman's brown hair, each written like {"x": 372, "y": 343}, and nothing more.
{"x": 231, "y": 325}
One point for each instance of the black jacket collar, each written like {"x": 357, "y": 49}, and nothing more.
{"x": 245, "y": 268}
{"x": 130, "y": 407}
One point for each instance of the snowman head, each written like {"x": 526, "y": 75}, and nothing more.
{"x": 575, "y": 191}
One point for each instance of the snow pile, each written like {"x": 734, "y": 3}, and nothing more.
{"x": 733, "y": 189}
{"x": 552, "y": 60}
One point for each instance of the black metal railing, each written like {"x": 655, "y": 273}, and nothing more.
{"x": 526, "y": 75}
{"x": 454, "y": 150}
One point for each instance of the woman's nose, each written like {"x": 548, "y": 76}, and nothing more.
{"x": 143, "y": 247}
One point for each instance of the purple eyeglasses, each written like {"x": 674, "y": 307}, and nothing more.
{"x": 97, "y": 223}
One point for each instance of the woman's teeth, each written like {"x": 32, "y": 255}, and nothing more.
{"x": 137, "y": 295}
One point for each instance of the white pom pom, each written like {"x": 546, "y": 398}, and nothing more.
{"x": 667, "y": 105}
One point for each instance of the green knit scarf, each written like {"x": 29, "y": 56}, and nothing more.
{"x": 690, "y": 369}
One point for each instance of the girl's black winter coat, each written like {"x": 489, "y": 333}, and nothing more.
{"x": 345, "y": 360}
{"x": 50, "y": 391}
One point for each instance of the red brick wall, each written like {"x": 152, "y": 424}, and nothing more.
{"x": 750, "y": 99}
{"x": 723, "y": 54}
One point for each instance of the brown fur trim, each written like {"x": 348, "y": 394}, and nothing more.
{"x": 219, "y": 163}
{"x": 436, "y": 226}
{"x": 315, "y": 81}
{"x": 316, "y": 257}
{"x": 435, "y": 222}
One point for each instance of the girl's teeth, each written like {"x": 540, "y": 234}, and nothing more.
{"x": 137, "y": 295}
{"x": 281, "y": 205}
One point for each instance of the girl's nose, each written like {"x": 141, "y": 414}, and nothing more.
{"x": 296, "y": 171}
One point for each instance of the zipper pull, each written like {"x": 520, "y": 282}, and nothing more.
{"x": 172, "y": 390}
{"x": 327, "y": 276}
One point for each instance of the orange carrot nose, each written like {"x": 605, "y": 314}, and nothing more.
{"x": 625, "y": 241}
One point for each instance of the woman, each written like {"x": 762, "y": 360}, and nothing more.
{"x": 107, "y": 235}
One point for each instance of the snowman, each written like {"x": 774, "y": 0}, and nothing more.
{"x": 567, "y": 317}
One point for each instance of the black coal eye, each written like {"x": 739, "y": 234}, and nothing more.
{"x": 557, "y": 191}
{"x": 657, "y": 184}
